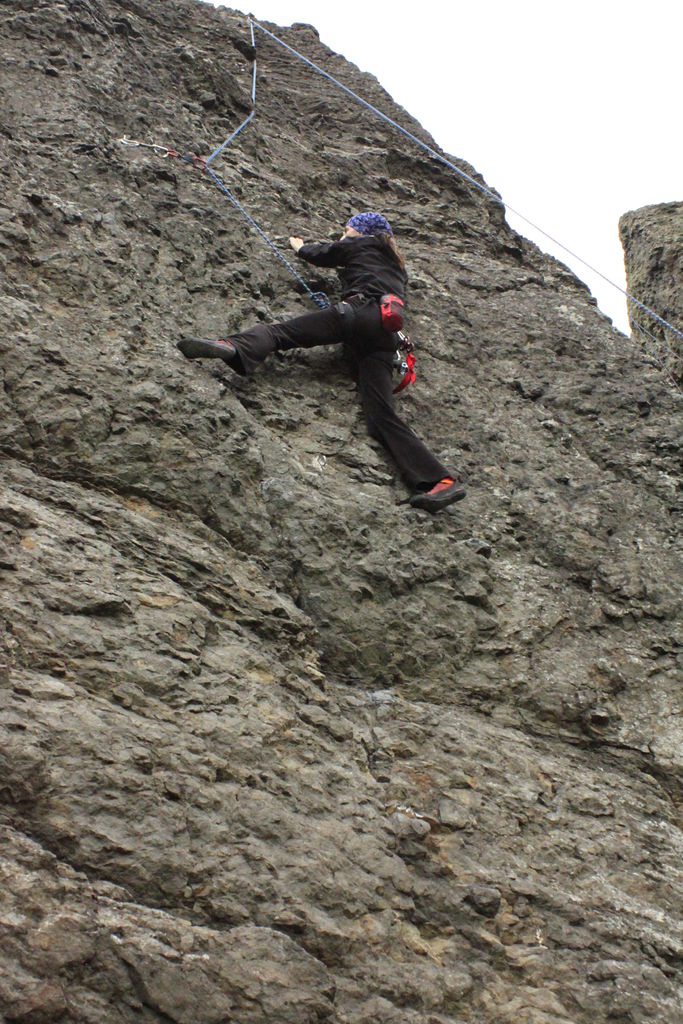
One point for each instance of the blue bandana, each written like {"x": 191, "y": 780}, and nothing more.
{"x": 370, "y": 224}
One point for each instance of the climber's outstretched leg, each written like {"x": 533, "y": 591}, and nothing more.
{"x": 244, "y": 351}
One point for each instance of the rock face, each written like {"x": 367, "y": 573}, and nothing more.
{"x": 652, "y": 238}
{"x": 275, "y": 747}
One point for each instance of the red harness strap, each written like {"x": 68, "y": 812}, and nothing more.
{"x": 409, "y": 375}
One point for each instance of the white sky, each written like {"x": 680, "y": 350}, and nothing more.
{"x": 572, "y": 112}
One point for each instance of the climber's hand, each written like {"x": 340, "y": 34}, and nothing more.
{"x": 296, "y": 243}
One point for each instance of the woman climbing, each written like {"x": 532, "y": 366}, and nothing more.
{"x": 369, "y": 266}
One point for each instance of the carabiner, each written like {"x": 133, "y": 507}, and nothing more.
{"x": 162, "y": 151}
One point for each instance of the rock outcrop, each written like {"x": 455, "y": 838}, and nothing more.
{"x": 652, "y": 238}
{"x": 275, "y": 747}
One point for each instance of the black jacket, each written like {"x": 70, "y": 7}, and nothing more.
{"x": 363, "y": 265}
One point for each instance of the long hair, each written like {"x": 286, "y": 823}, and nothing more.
{"x": 389, "y": 243}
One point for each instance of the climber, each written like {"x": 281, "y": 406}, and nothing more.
{"x": 370, "y": 266}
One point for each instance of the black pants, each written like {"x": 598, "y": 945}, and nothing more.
{"x": 371, "y": 351}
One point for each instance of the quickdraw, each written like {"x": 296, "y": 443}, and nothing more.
{"x": 165, "y": 151}
{"x": 405, "y": 361}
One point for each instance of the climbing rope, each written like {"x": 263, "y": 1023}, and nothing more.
{"x": 246, "y": 121}
{"x": 320, "y": 298}
{"x": 202, "y": 163}
{"x": 458, "y": 170}
{"x": 229, "y": 140}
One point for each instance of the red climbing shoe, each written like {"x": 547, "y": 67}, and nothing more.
{"x": 203, "y": 348}
{"x": 444, "y": 493}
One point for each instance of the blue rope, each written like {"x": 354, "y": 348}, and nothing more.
{"x": 467, "y": 177}
{"x": 253, "y": 107}
{"x": 320, "y": 298}
{"x": 228, "y": 141}
{"x": 647, "y": 309}
{"x": 253, "y": 81}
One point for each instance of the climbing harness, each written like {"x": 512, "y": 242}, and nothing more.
{"x": 391, "y": 309}
{"x": 404, "y": 358}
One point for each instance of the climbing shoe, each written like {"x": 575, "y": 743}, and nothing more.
{"x": 444, "y": 493}
{"x": 203, "y": 348}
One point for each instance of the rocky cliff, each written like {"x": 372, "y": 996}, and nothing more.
{"x": 652, "y": 238}
{"x": 275, "y": 747}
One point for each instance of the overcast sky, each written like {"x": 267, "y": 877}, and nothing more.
{"x": 571, "y": 112}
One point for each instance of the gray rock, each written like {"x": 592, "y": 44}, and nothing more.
{"x": 273, "y": 746}
{"x": 485, "y": 899}
{"x": 653, "y": 254}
